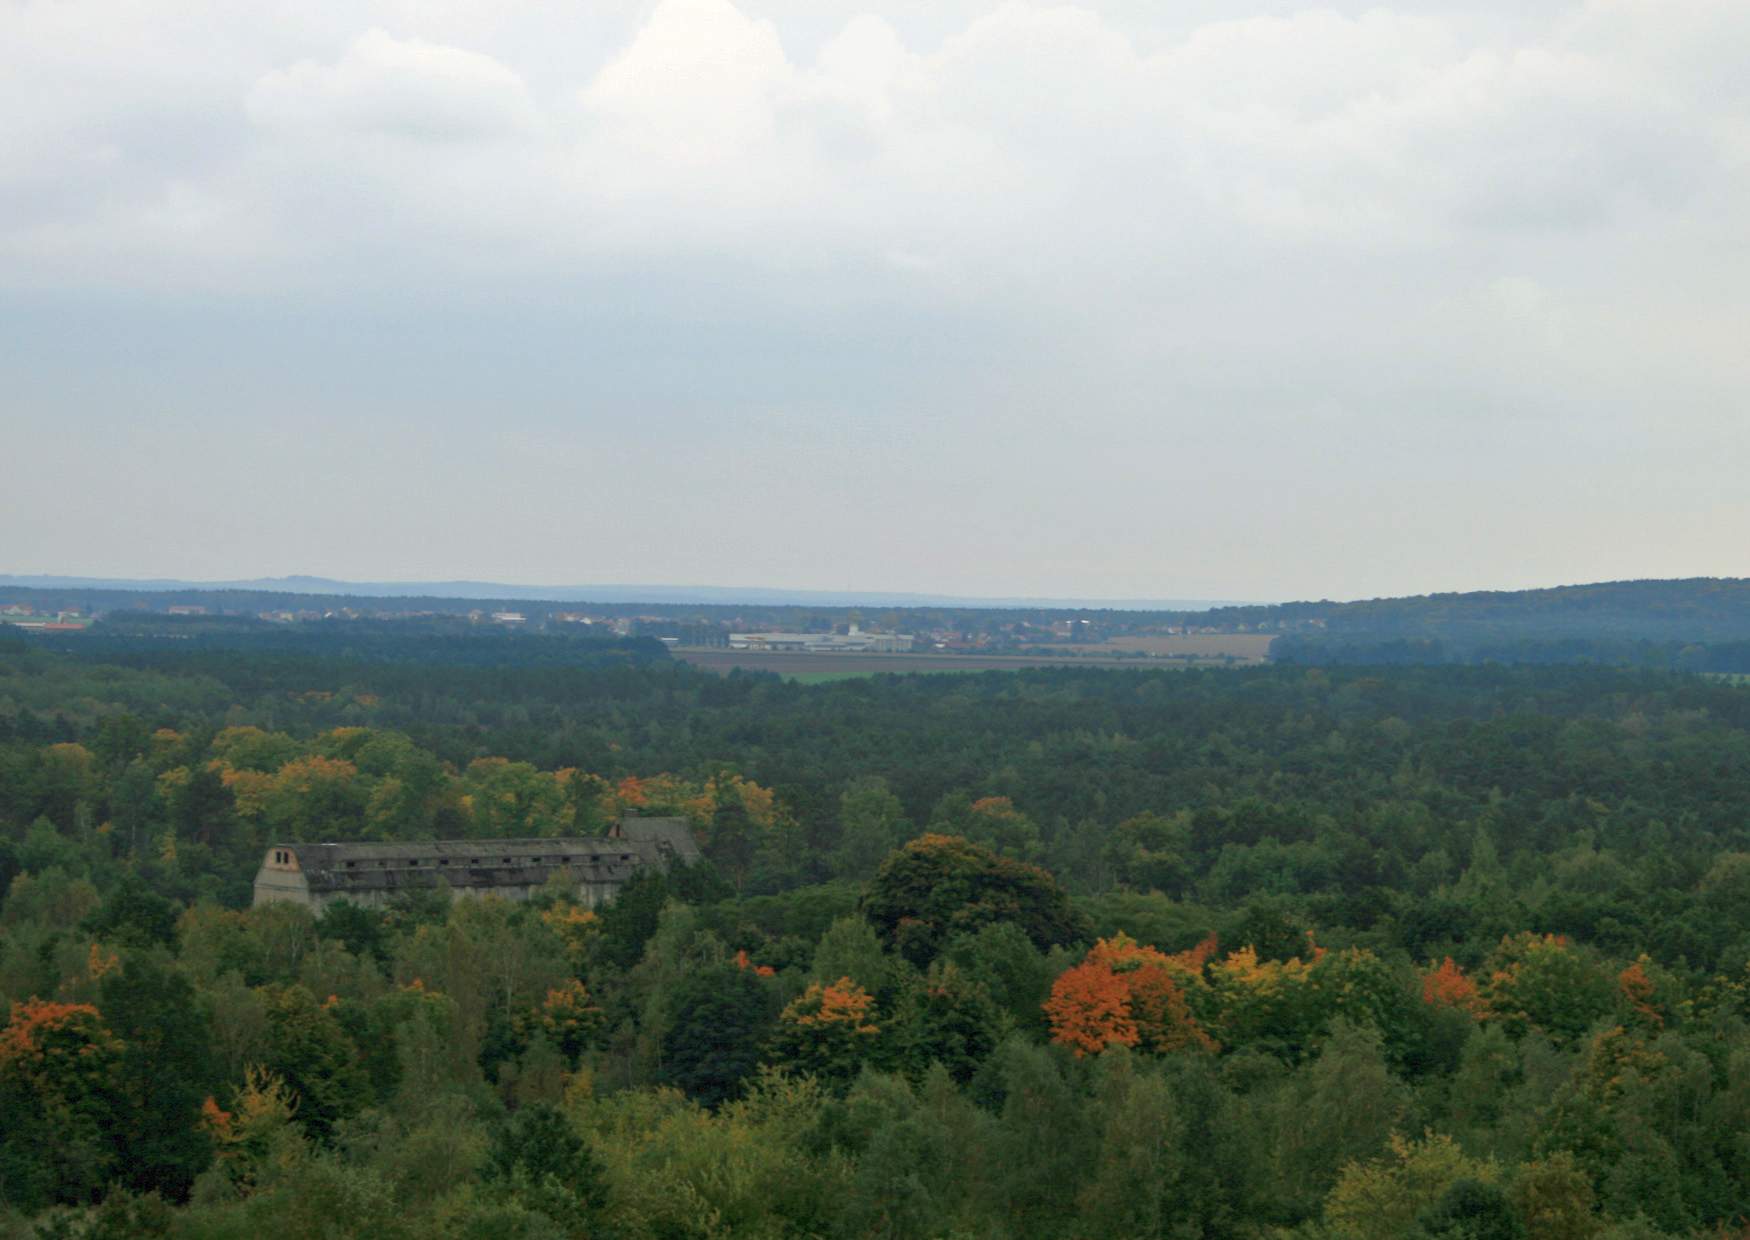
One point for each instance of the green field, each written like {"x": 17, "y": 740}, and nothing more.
{"x": 821, "y": 668}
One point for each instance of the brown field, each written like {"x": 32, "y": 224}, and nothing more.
{"x": 834, "y": 666}
{"x": 1248, "y": 647}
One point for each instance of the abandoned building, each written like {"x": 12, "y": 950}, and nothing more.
{"x": 370, "y": 874}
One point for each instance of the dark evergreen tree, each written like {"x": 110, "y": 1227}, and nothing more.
{"x": 721, "y": 1017}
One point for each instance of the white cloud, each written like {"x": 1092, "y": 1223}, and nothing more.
{"x": 401, "y": 88}
{"x": 697, "y": 87}
{"x": 1259, "y": 224}
{"x": 702, "y": 129}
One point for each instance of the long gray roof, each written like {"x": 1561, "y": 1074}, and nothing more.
{"x": 336, "y": 868}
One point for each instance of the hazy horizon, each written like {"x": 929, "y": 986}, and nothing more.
{"x": 1099, "y": 301}
{"x": 672, "y": 593}
{"x": 600, "y": 592}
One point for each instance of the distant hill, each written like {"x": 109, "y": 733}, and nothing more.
{"x": 1698, "y": 622}
{"x": 485, "y": 591}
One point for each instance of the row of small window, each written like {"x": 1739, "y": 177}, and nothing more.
{"x": 481, "y": 861}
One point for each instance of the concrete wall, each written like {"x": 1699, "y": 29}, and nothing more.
{"x": 280, "y": 879}
{"x": 280, "y": 886}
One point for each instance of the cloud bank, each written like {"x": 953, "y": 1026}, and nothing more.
{"x": 1439, "y": 265}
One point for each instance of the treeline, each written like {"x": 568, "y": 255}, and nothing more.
{"x": 1702, "y": 624}
{"x": 135, "y": 636}
{"x": 1431, "y": 951}
{"x": 1731, "y": 658}
{"x": 693, "y": 618}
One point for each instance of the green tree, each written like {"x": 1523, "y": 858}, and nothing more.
{"x": 135, "y": 916}
{"x": 1001, "y": 958}
{"x": 1340, "y": 1108}
{"x": 718, "y": 1029}
{"x": 1470, "y": 1210}
{"x": 732, "y": 841}
{"x": 1132, "y": 1188}
{"x": 1555, "y": 1199}
{"x": 1383, "y": 1199}
{"x": 539, "y": 1158}
{"x": 949, "y": 1019}
{"x": 167, "y": 1068}
{"x": 938, "y": 886}
{"x": 307, "y": 1048}
{"x": 201, "y": 806}
{"x": 872, "y": 823}
{"x": 1150, "y": 852}
{"x": 1545, "y": 982}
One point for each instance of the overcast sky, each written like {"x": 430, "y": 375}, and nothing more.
{"x": 1185, "y": 298}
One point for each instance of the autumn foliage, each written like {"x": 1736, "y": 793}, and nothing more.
{"x": 743, "y": 961}
{"x": 1447, "y": 986}
{"x": 1637, "y": 992}
{"x": 569, "y": 1018}
{"x": 829, "y": 1031}
{"x": 61, "y": 1052}
{"x": 843, "y": 1005}
{"x": 243, "y": 1137}
{"x": 1128, "y": 994}
{"x": 1544, "y": 982}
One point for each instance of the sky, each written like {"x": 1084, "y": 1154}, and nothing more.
{"x": 1181, "y": 299}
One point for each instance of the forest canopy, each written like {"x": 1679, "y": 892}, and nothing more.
{"x": 1280, "y": 951}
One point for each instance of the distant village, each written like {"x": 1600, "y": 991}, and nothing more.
{"x": 805, "y": 630}
{"x": 24, "y": 616}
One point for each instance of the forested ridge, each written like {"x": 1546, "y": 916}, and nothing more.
{"x": 1286, "y": 951}
{"x": 1697, "y": 624}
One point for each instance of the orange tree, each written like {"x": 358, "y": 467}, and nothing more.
{"x": 60, "y": 1070}
{"x": 569, "y": 1019}
{"x": 829, "y": 1031}
{"x": 1128, "y": 994}
{"x": 1446, "y": 985}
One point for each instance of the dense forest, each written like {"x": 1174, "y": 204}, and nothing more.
{"x": 1701, "y": 624}
{"x": 1295, "y": 951}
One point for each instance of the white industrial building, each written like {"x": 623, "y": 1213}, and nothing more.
{"x": 854, "y": 642}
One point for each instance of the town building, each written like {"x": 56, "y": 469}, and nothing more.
{"x": 854, "y": 642}
{"x": 373, "y": 873}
